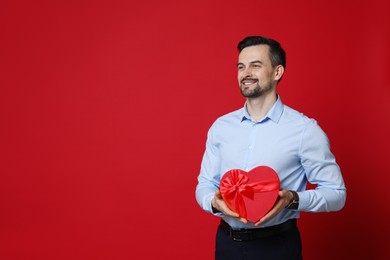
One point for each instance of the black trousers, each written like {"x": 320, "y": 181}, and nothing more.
{"x": 284, "y": 246}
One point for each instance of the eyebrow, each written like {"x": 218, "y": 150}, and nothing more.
{"x": 252, "y": 62}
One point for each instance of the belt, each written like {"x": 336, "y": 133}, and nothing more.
{"x": 256, "y": 233}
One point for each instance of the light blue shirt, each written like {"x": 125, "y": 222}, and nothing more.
{"x": 285, "y": 140}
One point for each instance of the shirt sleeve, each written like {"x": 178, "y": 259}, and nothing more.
{"x": 322, "y": 170}
{"x": 209, "y": 177}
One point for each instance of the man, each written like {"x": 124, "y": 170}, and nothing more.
{"x": 265, "y": 132}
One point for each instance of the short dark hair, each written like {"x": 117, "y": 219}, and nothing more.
{"x": 277, "y": 54}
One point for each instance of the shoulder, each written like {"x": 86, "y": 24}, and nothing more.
{"x": 308, "y": 127}
{"x": 293, "y": 119}
{"x": 291, "y": 115}
{"x": 229, "y": 118}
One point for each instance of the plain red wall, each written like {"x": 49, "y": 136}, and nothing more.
{"x": 105, "y": 106}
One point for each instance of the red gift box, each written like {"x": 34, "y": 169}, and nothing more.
{"x": 251, "y": 194}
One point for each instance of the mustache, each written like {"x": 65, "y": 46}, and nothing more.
{"x": 248, "y": 78}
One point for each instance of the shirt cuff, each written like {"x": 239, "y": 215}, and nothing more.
{"x": 303, "y": 200}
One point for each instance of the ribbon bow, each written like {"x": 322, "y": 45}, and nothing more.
{"x": 234, "y": 188}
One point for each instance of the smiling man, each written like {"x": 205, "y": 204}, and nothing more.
{"x": 265, "y": 132}
{"x": 257, "y": 75}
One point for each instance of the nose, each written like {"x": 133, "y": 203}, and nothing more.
{"x": 247, "y": 72}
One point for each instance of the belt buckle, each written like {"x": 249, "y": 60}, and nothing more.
{"x": 235, "y": 238}
{"x": 240, "y": 235}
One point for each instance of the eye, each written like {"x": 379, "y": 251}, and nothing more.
{"x": 240, "y": 67}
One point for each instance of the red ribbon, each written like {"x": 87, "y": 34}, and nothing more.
{"x": 234, "y": 188}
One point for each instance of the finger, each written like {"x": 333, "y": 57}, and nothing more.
{"x": 225, "y": 209}
{"x": 262, "y": 220}
{"x": 268, "y": 216}
{"x": 231, "y": 213}
{"x": 243, "y": 220}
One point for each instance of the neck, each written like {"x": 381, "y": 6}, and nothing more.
{"x": 259, "y": 107}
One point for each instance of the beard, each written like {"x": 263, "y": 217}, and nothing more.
{"x": 258, "y": 91}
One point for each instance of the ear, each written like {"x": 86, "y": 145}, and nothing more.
{"x": 279, "y": 70}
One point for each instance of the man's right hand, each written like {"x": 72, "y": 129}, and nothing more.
{"x": 218, "y": 203}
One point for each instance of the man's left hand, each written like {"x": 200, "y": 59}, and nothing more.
{"x": 284, "y": 198}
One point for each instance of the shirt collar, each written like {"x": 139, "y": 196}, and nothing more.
{"x": 274, "y": 113}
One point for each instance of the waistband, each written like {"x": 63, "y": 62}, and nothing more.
{"x": 256, "y": 233}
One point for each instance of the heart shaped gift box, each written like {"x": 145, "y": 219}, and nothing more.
{"x": 251, "y": 194}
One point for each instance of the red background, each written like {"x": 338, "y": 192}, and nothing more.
{"x": 105, "y": 106}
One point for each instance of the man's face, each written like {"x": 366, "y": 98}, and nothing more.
{"x": 256, "y": 75}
